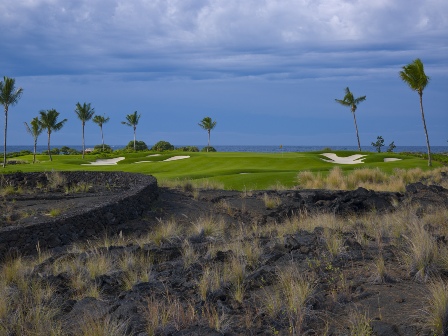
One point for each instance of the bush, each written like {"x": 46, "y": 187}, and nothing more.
{"x": 107, "y": 148}
{"x": 69, "y": 151}
{"x": 139, "y": 146}
{"x": 162, "y": 146}
{"x": 208, "y": 149}
{"x": 54, "y": 151}
{"x": 189, "y": 149}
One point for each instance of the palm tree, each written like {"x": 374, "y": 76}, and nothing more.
{"x": 84, "y": 113}
{"x": 35, "y": 130}
{"x": 352, "y": 102}
{"x": 132, "y": 120}
{"x": 49, "y": 121}
{"x": 414, "y": 75}
{"x": 208, "y": 124}
{"x": 9, "y": 96}
{"x": 100, "y": 120}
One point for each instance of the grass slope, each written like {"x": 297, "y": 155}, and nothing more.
{"x": 239, "y": 171}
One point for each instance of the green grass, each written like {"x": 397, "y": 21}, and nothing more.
{"x": 239, "y": 171}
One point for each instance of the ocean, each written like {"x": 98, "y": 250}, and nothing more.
{"x": 257, "y": 149}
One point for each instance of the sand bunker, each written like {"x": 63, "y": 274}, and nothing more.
{"x": 104, "y": 162}
{"x": 174, "y": 158}
{"x": 391, "y": 159}
{"x": 153, "y": 155}
{"x": 352, "y": 159}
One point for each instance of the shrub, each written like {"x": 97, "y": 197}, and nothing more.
{"x": 107, "y": 148}
{"x": 139, "y": 146}
{"x": 189, "y": 149}
{"x": 208, "y": 149}
{"x": 69, "y": 151}
{"x": 162, "y": 146}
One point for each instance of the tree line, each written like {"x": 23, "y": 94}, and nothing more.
{"x": 412, "y": 74}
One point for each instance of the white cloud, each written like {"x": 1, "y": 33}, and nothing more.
{"x": 209, "y": 37}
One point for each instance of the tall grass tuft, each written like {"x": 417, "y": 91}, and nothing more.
{"x": 437, "y": 313}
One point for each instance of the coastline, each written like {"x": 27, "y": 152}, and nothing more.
{"x": 255, "y": 149}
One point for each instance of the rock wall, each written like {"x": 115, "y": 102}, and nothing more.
{"x": 135, "y": 193}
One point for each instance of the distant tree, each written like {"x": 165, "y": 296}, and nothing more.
{"x": 208, "y": 124}
{"x": 352, "y": 102}
{"x": 208, "y": 149}
{"x": 162, "y": 146}
{"x": 84, "y": 113}
{"x": 35, "y": 130}
{"x": 100, "y": 120}
{"x": 132, "y": 121}
{"x": 414, "y": 76}
{"x": 391, "y": 147}
{"x": 9, "y": 96}
{"x": 188, "y": 149}
{"x": 379, "y": 143}
{"x": 102, "y": 148}
{"x": 49, "y": 121}
{"x": 69, "y": 151}
{"x": 136, "y": 146}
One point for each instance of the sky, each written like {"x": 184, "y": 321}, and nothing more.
{"x": 267, "y": 71}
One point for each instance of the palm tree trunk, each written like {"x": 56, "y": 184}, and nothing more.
{"x": 134, "y": 137}
{"x": 208, "y": 147}
{"x": 357, "y": 135}
{"x": 426, "y": 131}
{"x": 4, "y": 143}
{"x": 83, "y": 147}
{"x": 34, "y": 152}
{"x": 102, "y": 137}
{"x": 49, "y": 151}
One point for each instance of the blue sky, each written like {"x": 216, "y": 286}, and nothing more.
{"x": 267, "y": 71}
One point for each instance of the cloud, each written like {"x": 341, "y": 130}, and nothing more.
{"x": 203, "y": 39}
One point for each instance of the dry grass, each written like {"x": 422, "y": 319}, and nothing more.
{"x": 165, "y": 231}
{"x": 209, "y": 281}
{"x": 369, "y": 178}
{"x": 209, "y": 226}
{"x": 360, "y": 324}
{"x": 271, "y": 202}
{"x": 437, "y": 313}
{"x": 102, "y": 327}
{"x": 423, "y": 255}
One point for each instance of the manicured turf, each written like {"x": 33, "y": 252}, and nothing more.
{"x": 235, "y": 170}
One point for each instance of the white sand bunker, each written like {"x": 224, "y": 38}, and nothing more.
{"x": 352, "y": 159}
{"x": 154, "y": 155}
{"x": 104, "y": 162}
{"x": 174, "y": 158}
{"x": 391, "y": 159}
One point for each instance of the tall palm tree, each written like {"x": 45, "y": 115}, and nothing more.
{"x": 9, "y": 96}
{"x": 132, "y": 121}
{"x": 352, "y": 102}
{"x": 414, "y": 76}
{"x": 49, "y": 121}
{"x": 84, "y": 113}
{"x": 100, "y": 120}
{"x": 35, "y": 130}
{"x": 208, "y": 124}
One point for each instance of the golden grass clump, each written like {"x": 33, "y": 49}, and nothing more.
{"x": 369, "y": 178}
{"x": 209, "y": 226}
{"x": 437, "y": 312}
{"x": 165, "y": 231}
{"x": 424, "y": 256}
{"x": 271, "y": 202}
